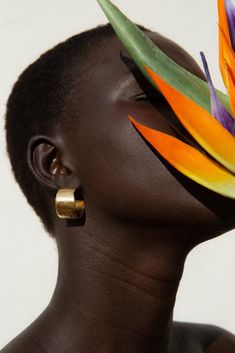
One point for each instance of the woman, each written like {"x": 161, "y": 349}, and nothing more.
{"x": 122, "y": 248}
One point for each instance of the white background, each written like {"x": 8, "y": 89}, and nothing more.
{"x": 28, "y": 257}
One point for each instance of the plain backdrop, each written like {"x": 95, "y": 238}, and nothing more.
{"x": 28, "y": 257}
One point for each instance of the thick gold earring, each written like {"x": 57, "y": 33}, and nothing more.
{"x": 67, "y": 206}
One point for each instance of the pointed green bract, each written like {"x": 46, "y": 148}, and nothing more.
{"x": 145, "y": 52}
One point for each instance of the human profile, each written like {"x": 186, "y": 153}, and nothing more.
{"x": 122, "y": 245}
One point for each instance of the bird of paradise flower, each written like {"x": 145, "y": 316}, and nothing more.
{"x": 206, "y": 113}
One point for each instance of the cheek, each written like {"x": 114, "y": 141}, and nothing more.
{"x": 123, "y": 178}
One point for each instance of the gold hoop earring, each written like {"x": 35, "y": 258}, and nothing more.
{"x": 67, "y": 206}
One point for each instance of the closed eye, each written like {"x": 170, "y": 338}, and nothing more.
{"x": 156, "y": 95}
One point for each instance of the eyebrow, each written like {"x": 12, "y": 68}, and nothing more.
{"x": 133, "y": 69}
{"x": 137, "y": 74}
{"x": 128, "y": 78}
{"x": 127, "y": 60}
{"x": 122, "y": 84}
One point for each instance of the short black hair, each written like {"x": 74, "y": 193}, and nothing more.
{"x": 38, "y": 101}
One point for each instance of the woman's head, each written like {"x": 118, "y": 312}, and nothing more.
{"x": 39, "y": 103}
{"x": 67, "y": 126}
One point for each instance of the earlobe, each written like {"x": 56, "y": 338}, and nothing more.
{"x": 44, "y": 163}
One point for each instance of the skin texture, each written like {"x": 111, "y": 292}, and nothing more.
{"x": 121, "y": 263}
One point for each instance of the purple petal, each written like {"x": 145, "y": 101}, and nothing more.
{"x": 217, "y": 109}
{"x": 233, "y": 128}
{"x": 230, "y": 11}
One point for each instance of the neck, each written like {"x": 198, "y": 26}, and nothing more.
{"x": 116, "y": 289}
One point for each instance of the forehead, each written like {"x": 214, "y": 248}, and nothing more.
{"x": 106, "y": 54}
{"x": 106, "y": 77}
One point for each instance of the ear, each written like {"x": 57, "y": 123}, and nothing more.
{"x": 47, "y": 163}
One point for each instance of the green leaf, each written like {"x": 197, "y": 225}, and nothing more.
{"x": 145, "y": 52}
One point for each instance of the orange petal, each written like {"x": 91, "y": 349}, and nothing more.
{"x": 223, "y": 21}
{"x": 224, "y": 39}
{"x": 227, "y": 58}
{"x": 206, "y": 130}
{"x": 228, "y": 65}
{"x": 231, "y": 87}
{"x": 190, "y": 161}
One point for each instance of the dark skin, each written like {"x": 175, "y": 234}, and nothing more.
{"x": 121, "y": 263}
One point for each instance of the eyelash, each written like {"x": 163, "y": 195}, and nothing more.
{"x": 141, "y": 97}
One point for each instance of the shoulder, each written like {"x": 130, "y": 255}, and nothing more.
{"x": 31, "y": 339}
{"x": 223, "y": 343}
{"x": 193, "y": 338}
{"x": 24, "y": 344}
